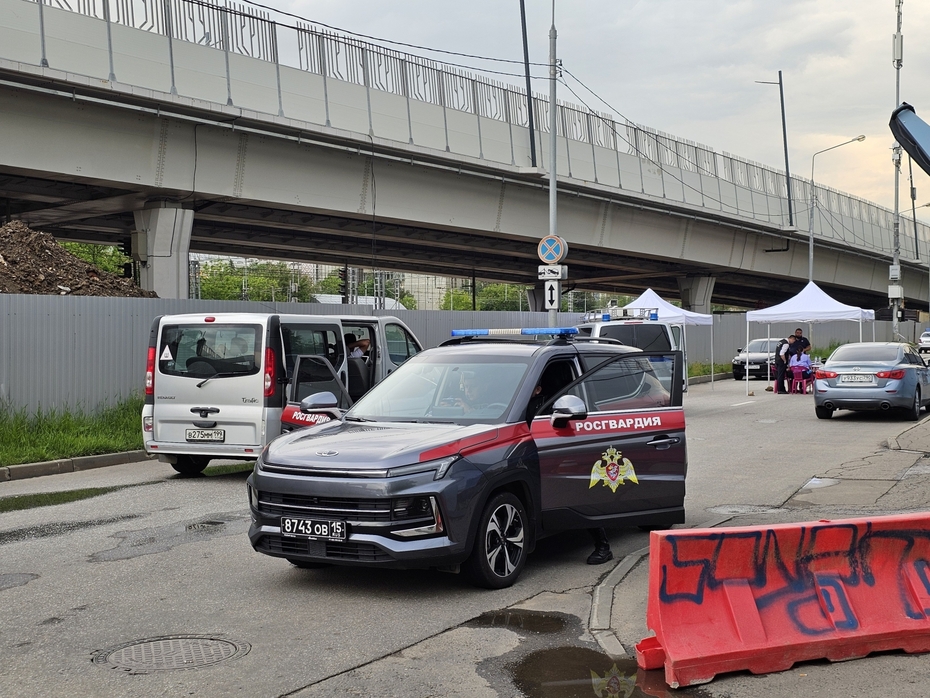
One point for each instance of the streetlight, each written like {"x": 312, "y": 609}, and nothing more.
{"x": 810, "y": 229}
{"x": 784, "y": 133}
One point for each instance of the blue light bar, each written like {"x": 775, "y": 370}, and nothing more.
{"x": 516, "y": 330}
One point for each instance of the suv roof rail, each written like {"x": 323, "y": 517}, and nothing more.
{"x": 606, "y": 340}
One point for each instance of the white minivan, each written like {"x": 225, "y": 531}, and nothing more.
{"x": 216, "y": 384}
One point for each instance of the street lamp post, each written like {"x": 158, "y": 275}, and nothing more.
{"x": 810, "y": 228}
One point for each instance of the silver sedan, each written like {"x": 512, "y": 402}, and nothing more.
{"x": 872, "y": 376}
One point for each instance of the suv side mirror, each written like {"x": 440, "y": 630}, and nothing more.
{"x": 318, "y": 401}
{"x": 567, "y": 408}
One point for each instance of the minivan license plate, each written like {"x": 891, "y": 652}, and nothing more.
{"x": 314, "y": 529}
{"x": 205, "y": 435}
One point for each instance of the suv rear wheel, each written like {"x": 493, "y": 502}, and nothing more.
{"x": 190, "y": 465}
{"x": 500, "y": 550}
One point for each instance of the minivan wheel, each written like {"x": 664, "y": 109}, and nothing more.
{"x": 823, "y": 412}
{"x": 190, "y": 465}
{"x": 500, "y": 549}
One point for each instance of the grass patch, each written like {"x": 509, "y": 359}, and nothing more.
{"x": 703, "y": 369}
{"x": 47, "y": 499}
{"x": 824, "y": 353}
{"x": 230, "y": 469}
{"x": 53, "y": 434}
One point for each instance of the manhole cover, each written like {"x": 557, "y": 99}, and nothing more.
{"x": 170, "y": 653}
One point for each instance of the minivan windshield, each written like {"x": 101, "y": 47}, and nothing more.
{"x": 444, "y": 389}
{"x": 210, "y": 350}
{"x": 646, "y": 337}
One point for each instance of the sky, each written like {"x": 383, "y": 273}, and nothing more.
{"x": 689, "y": 68}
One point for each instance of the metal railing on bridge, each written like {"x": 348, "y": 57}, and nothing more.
{"x": 251, "y": 32}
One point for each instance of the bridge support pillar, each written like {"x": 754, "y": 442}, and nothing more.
{"x": 696, "y": 292}
{"x": 161, "y": 242}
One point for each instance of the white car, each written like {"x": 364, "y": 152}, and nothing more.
{"x": 923, "y": 344}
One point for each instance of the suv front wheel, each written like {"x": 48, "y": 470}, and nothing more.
{"x": 500, "y": 549}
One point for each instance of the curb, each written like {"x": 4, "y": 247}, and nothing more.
{"x": 697, "y": 380}
{"x": 69, "y": 465}
{"x": 602, "y": 600}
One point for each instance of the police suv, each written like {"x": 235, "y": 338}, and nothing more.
{"x": 470, "y": 452}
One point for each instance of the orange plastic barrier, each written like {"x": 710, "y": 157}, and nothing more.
{"x": 763, "y": 598}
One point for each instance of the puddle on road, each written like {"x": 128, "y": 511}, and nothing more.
{"x": 148, "y": 541}
{"x": 518, "y": 619}
{"x": 10, "y": 580}
{"x": 579, "y": 672}
{"x": 58, "y": 529}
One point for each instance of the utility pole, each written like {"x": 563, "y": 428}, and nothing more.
{"x": 553, "y": 143}
{"x": 529, "y": 86}
{"x": 895, "y": 289}
{"x": 784, "y": 135}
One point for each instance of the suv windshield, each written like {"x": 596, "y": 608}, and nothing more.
{"x": 214, "y": 350}
{"x": 444, "y": 388}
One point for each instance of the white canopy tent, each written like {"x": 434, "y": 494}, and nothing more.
{"x": 811, "y": 305}
{"x": 667, "y": 311}
{"x": 675, "y": 316}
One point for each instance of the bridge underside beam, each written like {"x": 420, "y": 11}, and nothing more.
{"x": 266, "y": 196}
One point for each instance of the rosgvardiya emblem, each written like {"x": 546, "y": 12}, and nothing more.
{"x": 614, "y": 684}
{"x": 612, "y": 471}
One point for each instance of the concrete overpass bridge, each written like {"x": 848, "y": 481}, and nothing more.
{"x": 221, "y": 130}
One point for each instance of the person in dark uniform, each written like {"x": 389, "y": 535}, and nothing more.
{"x": 802, "y": 344}
{"x": 783, "y": 352}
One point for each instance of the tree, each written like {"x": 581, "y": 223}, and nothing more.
{"x": 456, "y": 299}
{"x": 104, "y": 257}
{"x": 259, "y": 281}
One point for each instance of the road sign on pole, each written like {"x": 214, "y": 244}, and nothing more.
{"x": 553, "y": 271}
{"x": 552, "y": 249}
{"x": 553, "y": 295}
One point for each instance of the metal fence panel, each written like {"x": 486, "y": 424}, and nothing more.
{"x": 84, "y": 353}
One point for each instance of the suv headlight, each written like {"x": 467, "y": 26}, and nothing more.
{"x": 441, "y": 466}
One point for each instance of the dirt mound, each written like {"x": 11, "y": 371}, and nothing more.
{"x": 34, "y": 262}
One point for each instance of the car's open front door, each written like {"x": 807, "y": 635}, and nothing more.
{"x": 623, "y": 459}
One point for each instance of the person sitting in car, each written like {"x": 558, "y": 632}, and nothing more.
{"x": 356, "y": 347}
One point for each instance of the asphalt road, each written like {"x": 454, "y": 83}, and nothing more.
{"x": 160, "y": 573}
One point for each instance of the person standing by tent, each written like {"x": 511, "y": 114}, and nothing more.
{"x": 802, "y": 344}
{"x": 783, "y": 351}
